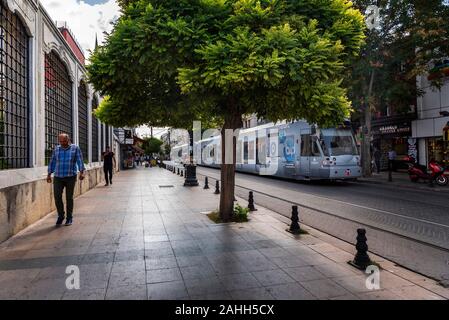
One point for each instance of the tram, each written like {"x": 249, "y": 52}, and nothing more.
{"x": 295, "y": 150}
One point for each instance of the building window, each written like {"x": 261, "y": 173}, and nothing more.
{"x": 83, "y": 120}
{"x": 58, "y": 102}
{"x": 14, "y": 102}
{"x": 94, "y": 131}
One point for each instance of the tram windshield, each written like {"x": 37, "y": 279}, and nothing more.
{"x": 338, "y": 142}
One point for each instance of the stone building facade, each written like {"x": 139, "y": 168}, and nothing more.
{"x": 43, "y": 92}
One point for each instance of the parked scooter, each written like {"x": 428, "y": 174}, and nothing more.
{"x": 418, "y": 172}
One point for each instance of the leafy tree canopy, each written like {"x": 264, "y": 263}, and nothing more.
{"x": 168, "y": 62}
{"x": 411, "y": 37}
{"x": 152, "y": 145}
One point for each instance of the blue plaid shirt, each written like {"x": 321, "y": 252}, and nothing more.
{"x": 66, "y": 162}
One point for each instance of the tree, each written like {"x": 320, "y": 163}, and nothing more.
{"x": 152, "y": 145}
{"x": 411, "y": 37}
{"x": 168, "y": 62}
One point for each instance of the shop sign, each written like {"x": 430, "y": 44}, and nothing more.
{"x": 128, "y": 137}
{"x": 412, "y": 148}
{"x": 393, "y": 129}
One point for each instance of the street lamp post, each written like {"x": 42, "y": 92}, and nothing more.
{"x": 190, "y": 176}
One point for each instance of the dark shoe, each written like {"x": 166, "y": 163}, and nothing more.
{"x": 107, "y": 184}
{"x": 111, "y": 182}
{"x": 69, "y": 222}
{"x": 59, "y": 221}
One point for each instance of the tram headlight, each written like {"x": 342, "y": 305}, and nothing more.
{"x": 327, "y": 162}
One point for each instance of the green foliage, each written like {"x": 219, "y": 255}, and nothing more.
{"x": 412, "y": 35}
{"x": 152, "y": 145}
{"x": 170, "y": 62}
{"x": 240, "y": 213}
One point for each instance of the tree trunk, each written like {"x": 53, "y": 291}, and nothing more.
{"x": 366, "y": 147}
{"x": 232, "y": 121}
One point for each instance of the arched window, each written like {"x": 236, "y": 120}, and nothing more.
{"x": 14, "y": 94}
{"x": 58, "y": 102}
{"x": 83, "y": 125}
{"x": 94, "y": 131}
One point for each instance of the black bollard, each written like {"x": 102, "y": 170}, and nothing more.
{"x": 294, "y": 227}
{"x": 361, "y": 259}
{"x": 206, "y": 183}
{"x": 190, "y": 174}
{"x": 217, "y": 187}
{"x": 178, "y": 171}
{"x": 174, "y": 170}
{"x": 182, "y": 173}
{"x": 251, "y": 206}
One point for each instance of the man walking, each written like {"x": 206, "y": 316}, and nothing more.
{"x": 108, "y": 164}
{"x": 65, "y": 163}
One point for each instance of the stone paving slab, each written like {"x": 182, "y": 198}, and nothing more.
{"x": 147, "y": 237}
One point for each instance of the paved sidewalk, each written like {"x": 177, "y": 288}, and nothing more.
{"x": 401, "y": 179}
{"x": 147, "y": 237}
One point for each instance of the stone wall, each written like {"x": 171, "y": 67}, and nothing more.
{"x": 23, "y": 204}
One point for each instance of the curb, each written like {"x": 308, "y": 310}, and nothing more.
{"x": 436, "y": 189}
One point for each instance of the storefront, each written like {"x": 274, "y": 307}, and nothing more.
{"x": 433, "y": 140}
{"x": 438, "y": 147}
{"x": 394, "y": 133}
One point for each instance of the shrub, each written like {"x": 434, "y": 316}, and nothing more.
{"x": 240, "y": 214}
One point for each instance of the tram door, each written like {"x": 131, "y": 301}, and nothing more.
{"x": 306, "y": 153}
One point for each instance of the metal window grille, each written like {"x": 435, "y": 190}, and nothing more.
{"x": 108, "y": 143}
{"x": 14, "y": 95}
{"x": 83, "y": 125}
{"x": 94, "y": 132}
{"x": 101, "y": 137}
{"x": 58, "y": 102}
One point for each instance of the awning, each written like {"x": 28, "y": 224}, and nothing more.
{"x": 138, "y": 149}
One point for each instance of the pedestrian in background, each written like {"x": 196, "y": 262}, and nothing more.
{"x": 377, "y": 156}
{"x": 65, "y": 163}
{"x": 391, "y": 157}
{"x": 109, "y": 163}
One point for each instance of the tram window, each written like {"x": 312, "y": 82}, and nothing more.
{"x": 245, "y": 152}
{"x": 239, "y": 152}
{"x": 251, "y": 150}
{"x": 315, "y": 149}
{"x": 306, "y": 142}
{"x": 261, "y": 152}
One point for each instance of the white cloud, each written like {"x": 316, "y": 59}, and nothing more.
{"x": 83, "y": 19}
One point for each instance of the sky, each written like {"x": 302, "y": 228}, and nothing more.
{"x": 85, "y": 18}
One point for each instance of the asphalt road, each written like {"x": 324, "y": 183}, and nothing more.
{"x": 417, "y": 214}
